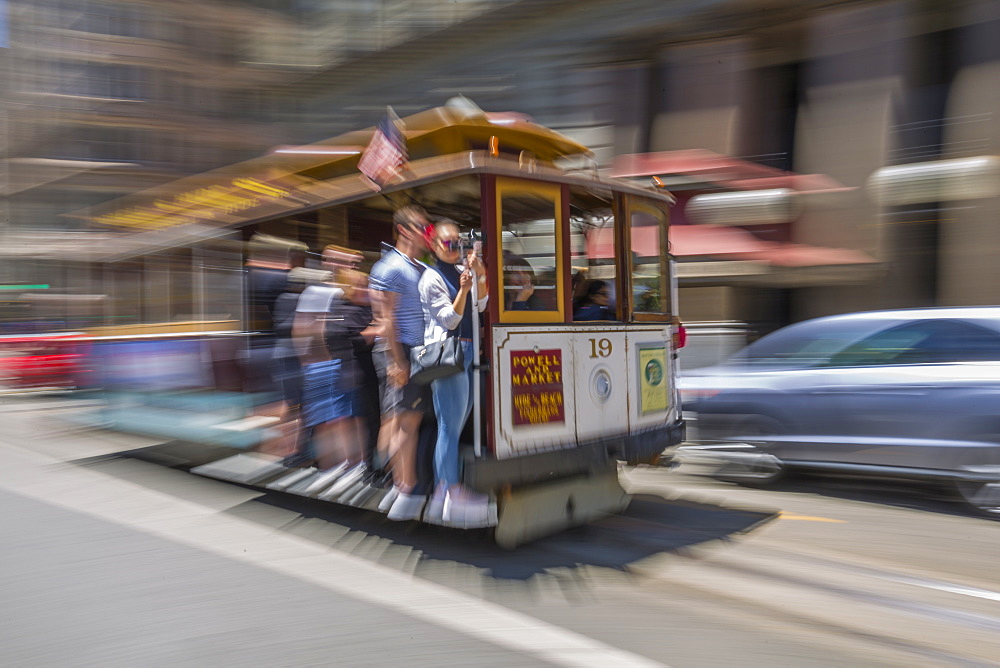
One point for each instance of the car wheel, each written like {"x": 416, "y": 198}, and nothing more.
{"x": 983, "y": 495}
{"x": 762, "y": 471}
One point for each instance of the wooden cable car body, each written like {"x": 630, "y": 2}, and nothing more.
{"x": 561, "y": 401}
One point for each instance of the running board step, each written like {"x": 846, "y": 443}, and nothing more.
{"x": 285, "y": 482}
{"x": 246, "y": 468}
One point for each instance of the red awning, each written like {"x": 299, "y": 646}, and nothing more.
{"x": 738, "y": 244}
{"x": 722, "y": 171}
{"x": 725, "y": 243}
{"x": 801, "y": 255}
{"x": 713, "y": 240}
{"x": 645, "y": 241}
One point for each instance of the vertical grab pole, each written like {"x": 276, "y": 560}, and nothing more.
{"x": 477, "y": 444}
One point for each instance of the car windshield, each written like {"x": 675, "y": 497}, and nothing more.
{"x": 805, "y": 344}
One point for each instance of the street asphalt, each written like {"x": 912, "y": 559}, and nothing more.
{"x": 111, "y": 556}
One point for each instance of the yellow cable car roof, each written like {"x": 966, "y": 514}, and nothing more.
{"x": 444, "y": 130}
{"x": 435, "y": 132}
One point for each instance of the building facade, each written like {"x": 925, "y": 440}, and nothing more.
{"x": 105, "y": 98}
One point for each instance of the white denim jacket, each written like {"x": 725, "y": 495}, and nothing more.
{"x": 439, "y": 315}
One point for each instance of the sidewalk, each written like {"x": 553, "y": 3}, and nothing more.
{"x": 106, "y": 570}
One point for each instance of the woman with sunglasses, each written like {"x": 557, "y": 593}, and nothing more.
{"x": 444, "y": 295}
{"x": 596, "y": 303}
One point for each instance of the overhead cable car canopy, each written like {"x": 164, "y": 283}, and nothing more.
{"x": 291, "y": 178}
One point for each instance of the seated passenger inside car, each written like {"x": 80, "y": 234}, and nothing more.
{"x": 595, "y": 303}
{"x": 519, "y": 285}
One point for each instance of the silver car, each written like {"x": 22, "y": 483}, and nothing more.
{"x": 895, "y": 394}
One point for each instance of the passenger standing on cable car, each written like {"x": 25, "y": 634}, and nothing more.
{"x": 322, "y": 406}
{"x": 319, "y": 371}
{"x": 444, "y": 296}
{"x": 353, "y": 322}
{"x": 346, "y": 328}
{"x": 288, "y": 370}
{"x": 267, "y": 270}
{"x": 399, "y": 321}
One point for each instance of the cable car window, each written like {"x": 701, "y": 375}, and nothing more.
{"x": 530, "y": 220}
{"x": 647, "y": 235}
{"x": 592, "y": 250}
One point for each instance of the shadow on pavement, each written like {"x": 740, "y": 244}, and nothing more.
{"x": 909, "y": 494}
{"x": 651, "y": 525}
{"x": 913, "y": 495}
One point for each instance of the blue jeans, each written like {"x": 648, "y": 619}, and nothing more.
{"x": 452, "y": 405}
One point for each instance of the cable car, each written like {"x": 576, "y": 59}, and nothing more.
{"x": 560, "y": 400}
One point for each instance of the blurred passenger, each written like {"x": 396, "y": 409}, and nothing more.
{"x": 338, "y": 258}
{"x": 267, "y": 270}
{"x": 288, "y": 370}
{"x": 319, "y": 373}
{"x": 444, "y": 293}
{"x": 596, "y": 304}
{"x": 400, "y": 324}
{"x": 348, "y": 339}
{"x": 519, "y": 285}
{"x": 323, "y": 406}
{"x": 578, "y": 287}
{"x": 367, "y": 397}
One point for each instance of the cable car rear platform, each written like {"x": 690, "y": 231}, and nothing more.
{"x": 651, "y": 521}
{"x": 518, "y": 514}
{"x": 648, "y": 520}
{"x": 535, "y": 494}
{"x": 532, "y": 495}
{"x": 661, "y": 521}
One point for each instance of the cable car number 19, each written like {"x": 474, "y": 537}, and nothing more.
{"x": 600, "y": 348}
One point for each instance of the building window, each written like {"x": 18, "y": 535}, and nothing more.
{"x": 122, "y": 82}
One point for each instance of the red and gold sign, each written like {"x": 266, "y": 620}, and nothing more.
{"x": 536, "y": 386}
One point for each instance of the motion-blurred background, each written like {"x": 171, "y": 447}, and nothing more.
{"x": 784, "y": 128}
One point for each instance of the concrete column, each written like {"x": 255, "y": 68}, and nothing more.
{"x": 854, "y": 62}
{"x": 969, "y": 245}
{"x": 630, "y": 90}
{"x": 699, "y": 97}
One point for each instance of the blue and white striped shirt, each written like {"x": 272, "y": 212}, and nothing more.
{"x": 397, "y": 273}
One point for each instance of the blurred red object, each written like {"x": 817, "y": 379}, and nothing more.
{"x": 58, "y": 361}
{"x": 680, "y": 337}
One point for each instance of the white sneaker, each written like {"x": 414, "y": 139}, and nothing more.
{"x": 390, "y": 497}
{"x": 325, "y": 479}
{"x": 407, "y": 507}
{"x": 434, "y": 513}
{"x": 348, "y": 480}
